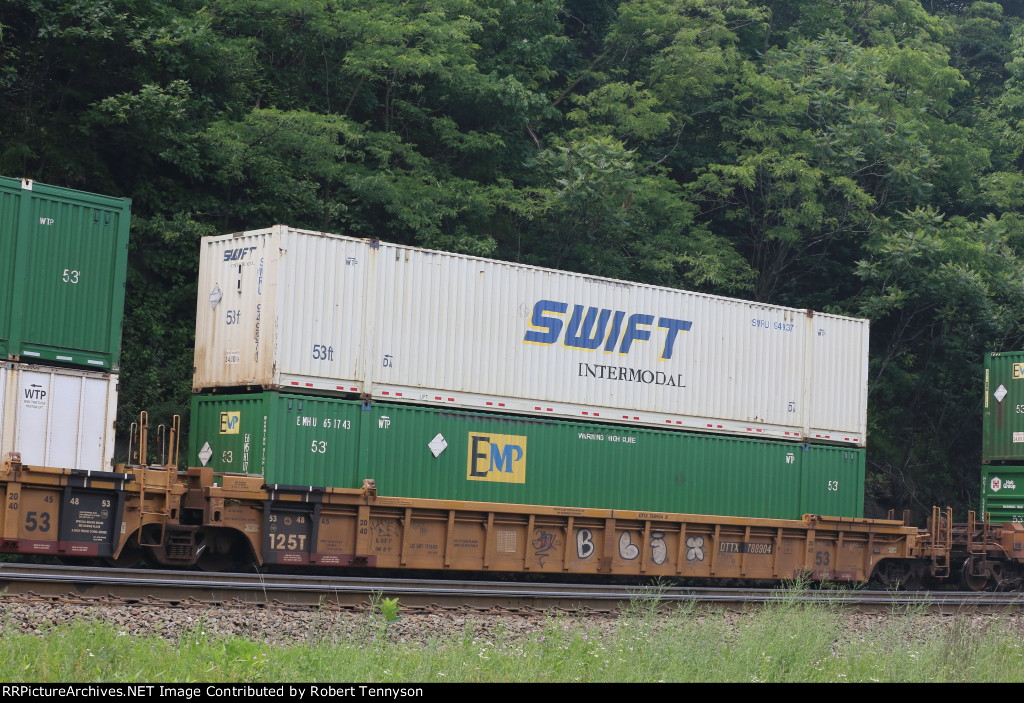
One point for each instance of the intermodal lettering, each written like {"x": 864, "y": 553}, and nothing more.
{"x": 621, "y": 373}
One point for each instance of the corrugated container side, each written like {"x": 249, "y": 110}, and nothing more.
{"x": 10, "y": 199}
{"x": 458, "y": 325}
{"x": 424, "y": 452}
{"x": 833, "y": 482}
{"x": 67, "y": 252}
{"x": 838, "y": 385}
{"x": 220, "y": 295}
{"x": 317, "y": 283}
{"x": 4, "y": 373}
{"x": 1002, "y": 493}
{"x": 1003, "y": 415}
{"x": 58, "y": 417}
{"x": 289, "y": 309}
{"x": 322, "y": 284}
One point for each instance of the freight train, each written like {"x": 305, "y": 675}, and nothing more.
{"x": 359, "y": 404}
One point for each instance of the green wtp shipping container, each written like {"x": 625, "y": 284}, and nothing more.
{"x": 421, "y": 452}
{"x": 63, "y": 257}
{"x": 1002, "y": 493}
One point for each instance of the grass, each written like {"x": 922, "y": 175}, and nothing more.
{"x": 788, "y": 641}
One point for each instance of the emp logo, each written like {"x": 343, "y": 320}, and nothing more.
{"x": 230, "y": 422}
{"x": 496, "y": 457}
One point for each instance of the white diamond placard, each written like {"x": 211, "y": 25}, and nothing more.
{"x": 1000, "y": 393}
{"x": 205, "y": 453}
{"x": 215, "y": 296}
{"x": 437, "y": 445}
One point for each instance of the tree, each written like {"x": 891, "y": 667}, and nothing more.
{"x": 827, "y": 137}
{"x": 941, "y": 292}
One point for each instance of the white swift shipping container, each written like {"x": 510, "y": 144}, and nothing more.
{"x": 58, "y": 417}
{"x": 288, "y": 309}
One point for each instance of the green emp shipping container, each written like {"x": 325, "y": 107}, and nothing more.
{"x": 63, "y": 257}
{"x": 421, "y": 452}
{"x": 1002, "y": 493}
{"x": 1003, "y": 417}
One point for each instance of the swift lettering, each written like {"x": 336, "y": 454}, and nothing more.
{"x": 592, "y": 328}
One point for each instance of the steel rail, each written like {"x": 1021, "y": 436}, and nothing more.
{"x": 181, "y": 587}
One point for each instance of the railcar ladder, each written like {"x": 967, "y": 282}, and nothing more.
{"x": 160, "y": 490}
{"x": 979, "y": 536}
{"x": 939, "y": 542}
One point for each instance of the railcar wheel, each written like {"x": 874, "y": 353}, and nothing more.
{"x": 901, "y": 574}
{"x": 995, "y": 569}
{"x": 913, "y": 580}
{"x": 211, "y": 561}
{"x": 970, "y": 580}
{"x": 219, "y": 551}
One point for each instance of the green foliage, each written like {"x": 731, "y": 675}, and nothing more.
{"x": 942, "y": 292}
{"x": 389, "y": 609}
{"x": 829, "y": 136}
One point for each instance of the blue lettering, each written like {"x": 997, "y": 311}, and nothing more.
{"x": 553, "y": 325}
{"x": 236, "y": 254}
{"x": 674, "y": 327}
{"x": 633, "y": 331}
{"x": 503, "y": 457}
{"x": 585, "y": 334}
{"x": 591, "y": 327}
{"x": 613, "y": 335}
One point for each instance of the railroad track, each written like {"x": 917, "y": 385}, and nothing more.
{"x": 192, "y": 587}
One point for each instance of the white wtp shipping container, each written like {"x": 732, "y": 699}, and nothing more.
{"x": 288, "y": 309}
{"x": 58, "y": 417}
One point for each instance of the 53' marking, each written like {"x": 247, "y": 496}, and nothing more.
{"x": 32, "y": 523}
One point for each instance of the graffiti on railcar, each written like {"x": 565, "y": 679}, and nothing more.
{"x": 382, "y": 527}
{"x": 384, "y": 532}
{"x": 659, "y": 550}
{"x": 627, "y": 550}
{"x": 544, "y": 544}
{"x": 584, "y": 543}
{"x": 695, "y": 548}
